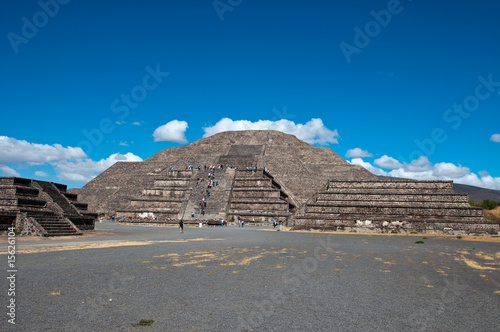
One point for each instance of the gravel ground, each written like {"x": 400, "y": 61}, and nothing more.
{"x": 253, "y": 279}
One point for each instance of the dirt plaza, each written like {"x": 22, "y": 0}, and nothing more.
{"x": 254, "y": 279}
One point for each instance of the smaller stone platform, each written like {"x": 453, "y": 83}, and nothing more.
{"x": 42, "y": 208}
{"x": 393, "y": 206}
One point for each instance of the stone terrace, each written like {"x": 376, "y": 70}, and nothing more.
{"x": 402, "y": 206}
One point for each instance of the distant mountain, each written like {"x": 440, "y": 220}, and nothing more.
{"x": 475, "y": 193}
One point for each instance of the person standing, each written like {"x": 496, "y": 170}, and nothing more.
{"x": 181, "y": 226}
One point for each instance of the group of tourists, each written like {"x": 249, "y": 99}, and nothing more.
{"x": 204, "y": 167}
{"x": 211, "y": 182}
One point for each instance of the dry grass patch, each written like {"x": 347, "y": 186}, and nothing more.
{"x": 492, "y": 215}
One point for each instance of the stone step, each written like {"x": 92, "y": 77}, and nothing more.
{"x": 156, "y": 199}
{"x": 63, "y": 233}
{"x": 386, "y": 191}
{"x": 27, "y": 201}
{"x": 258, "y": 201}
{"x": 394, "y": 216}
{"x": 377, "y": 196}
{"x": 50, "y": 222}
{"x": 351, "y": 223}
{"x": 436, "y": 185}
{"x": 419, "y": 226}
{"x": 265, "y": 189}
{"x": 374, "y": 210}
{"x": 259, "y": 206}
{"x": 322, "y": 205}
{"x": 27, "y": 191}
{"x": 53, "y": 228}
{"x": 258, "y": 213}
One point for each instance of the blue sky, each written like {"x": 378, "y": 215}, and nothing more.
{"x": 404, "y": 88}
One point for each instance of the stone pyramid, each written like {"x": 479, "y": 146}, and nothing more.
{"x": 269, "y": 176}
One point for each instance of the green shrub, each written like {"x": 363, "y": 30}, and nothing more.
{"x": 486, "y": 204}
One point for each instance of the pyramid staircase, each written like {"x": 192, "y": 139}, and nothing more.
{"x": 257, "y": 198}
{"x": 217, "y": 201}
{"x": 393, "y": 206}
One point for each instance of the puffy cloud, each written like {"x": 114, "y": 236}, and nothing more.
{"x": 312, "y": 132}
{"x": 450, "y": 170}
{"x": 368, "y": 166}
{"x": 357, "y": 153}
{"x": 7, "y": 171}
{"x": 41, "y": 174}
{"x": 136, "y": 123}
{"x": 173, "y": 131}
{"x": 86, "y": 170}
{"x": 421, "y": 164}
{"x": 13, "y": 150}
{"x": 387, "y": 162}
{"x": 423, "y": 169}
{"x": 495, "y": 138}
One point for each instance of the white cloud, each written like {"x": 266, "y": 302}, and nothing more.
{"x": 423, "y": 169}
{"x": 173, "y": 131}
{"x": 86, "y": 170}
{"x": 368, "y": 166}
{"x": 123, "y": 143}
{"x": 450, "y": 170}
{"x": 312, "y": 132}
{"x": 483, "y": 173}
{"x": 13, "y": 150}
{"x": 421, "y": 164}
{"x": 357, "y": 153}
{"x": 7, "y": 171}
{"x": 136, "y": 123}
{"x": 495, "y": 138}
{"x": 387, "y": 162}
{"x": 41, "y": 174}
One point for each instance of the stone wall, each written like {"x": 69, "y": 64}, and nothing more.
{"x": 29, "y": 226}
